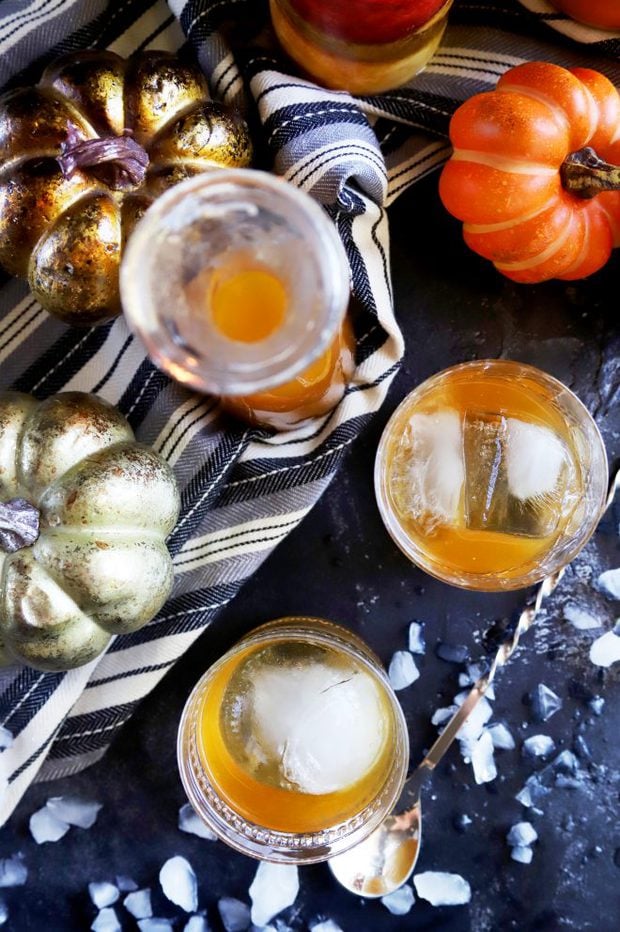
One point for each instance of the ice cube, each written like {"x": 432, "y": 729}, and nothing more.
{"x": 535, "y": 459}
{"x": 125, "y": 884}
{"x": 178, "y": 882}
{"x": 400, "y": 901}
{"x": 501, "y": 737}
{"x": 515, "y": 475}
{"x": 597, "y": 704}
{"x": 235, "y": 914}
{"x": 106, "y": 921}
{"x": 524, "y": 796}
{"x": 442, "y": 889}
{"x": 452, "y": 653}
{"x": 6, "y": 738}
{"x": 402, "y": 671}
{"x": 609, "y": 583}
{"x": 13, "y": 871}
{"x": 44, "y": 826}
{"x": 538, "y": 746}
{"x": 461, "y": 822}
{"x": 138, "y": 903}
{"x": 428, "y": 487}
{"x": 196, "y": 924}
{"x": 521, "y": 834}
{"x": 472, "y": 728}
{"x": 327, "y": 925}
{"x": 190, "y": 822}
{"x": 4, "y": 912}
{"x": 522, "y": 854}
{"x": 275, "y": 886}
{"x": 75, "y": 811}
{"x": 323, "y": 726}
{"x": 440, "y": 716}
{"x": 155, "y": 924}
{"x": 103, "y": 894}
{"x": 417, "y": 644}
{"x": 605, "y": 650}
{"x": 579, "y": 618}
{"x": 482, "y": 759}
{"x": 545, "y": 703}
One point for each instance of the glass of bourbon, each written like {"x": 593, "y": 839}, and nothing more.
{"x": 491, "y": 475}
{"x": 293, "y": 746}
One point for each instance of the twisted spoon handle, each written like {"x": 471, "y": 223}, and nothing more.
{"x": 503, "y": 655}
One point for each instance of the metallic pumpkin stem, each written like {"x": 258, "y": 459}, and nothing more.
{"x": 19, "y": 525}
{"x": 584, "y": 174}
{"x": 119, "y": 160}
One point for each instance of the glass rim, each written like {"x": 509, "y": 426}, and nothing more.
{"x": 235, "y": 367}
{"x": 492, "y": 581}
{"x": 251, "y": 838}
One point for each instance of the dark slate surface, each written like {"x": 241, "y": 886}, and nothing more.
{"x": 341, "y": 564}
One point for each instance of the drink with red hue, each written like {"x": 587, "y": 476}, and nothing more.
{"x": 364, "y": 46}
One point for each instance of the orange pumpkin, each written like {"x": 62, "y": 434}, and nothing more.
{"x": 534, "y": 197}
{"x": 602, "y": 13}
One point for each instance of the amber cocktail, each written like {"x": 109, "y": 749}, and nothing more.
{"x": 491, "y": 475}
{"x": 293, "y": 746}
{"x": 363, "y": 46}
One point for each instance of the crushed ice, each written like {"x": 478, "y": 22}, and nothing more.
{"x": 74, "y": 810}
{"x": 326, "y": 925}
{"x": 522, "y": 853}
{"x": 13, "y": 871}
{"x": 501, "y": 737}
{"x": 235, "y": 914}
{"x": 579, "y": 618}
{"x": 191, "y": 823}
{"x": 402, "y": 671}
{"x": 442, "y": 889}
{"x": 196, "y": 924}
{"x": 103, "y": 894}
{"x": 106, "y": 921}
{"x": 138, "y": 903}
{"x": 609, "y": 583}
{"x": 155, "y": 925}
{"x": 605, "y": 650}
{"x": 44, "y": 826}
{"x": 452, "y": 653}
{"x": 482, "y": 759}
{"x": 275, "y": 886}
{"x": 6, "y": 738}
{"x": 125, "y": 884}
{"x": 178, "y": 882}
{"x": 545, "y": 703}
{"x": 538, "y": 746}
{"x": 400, "y": 901}
{"x": 417, "y": 644}
{"x": 4, "y": 912}
{"x": 521, "y": 834}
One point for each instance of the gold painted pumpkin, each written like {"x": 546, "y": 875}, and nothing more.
{"x": 85, "y": 152}
{"x": 84, "y": 516}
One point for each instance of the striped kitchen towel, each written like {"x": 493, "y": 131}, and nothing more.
{"x": 243, "y": 489}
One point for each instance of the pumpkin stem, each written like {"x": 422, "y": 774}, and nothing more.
{"x": 119, "y": 161}
{"x": 19, "y": 525}
{"x": 584, "y": 174}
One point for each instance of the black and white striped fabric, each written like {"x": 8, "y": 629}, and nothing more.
{"x": 243, "y": 489}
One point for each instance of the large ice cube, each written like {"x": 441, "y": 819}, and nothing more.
{"x": 428, "y": 471}
{"x": 516, "y": 475}
{"x": 323, "y": 725}
{"x": 274, "y": 888}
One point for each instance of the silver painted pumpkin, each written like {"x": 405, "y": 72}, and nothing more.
{"x": 84, "y": 516}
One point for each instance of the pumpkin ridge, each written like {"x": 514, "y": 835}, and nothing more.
{"x": 504, "y": 163}
{"x": 556, "y": 109}
{"x": 179, "y": 115}
{"x": 507, "y": 224}
{"x": 543, "y": 256}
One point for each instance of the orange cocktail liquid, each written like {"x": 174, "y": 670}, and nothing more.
{"x": 512, "y": 452}
{"x": 248, "y": 303}
{"x": 249, "y": 771}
